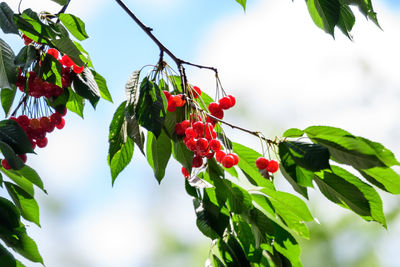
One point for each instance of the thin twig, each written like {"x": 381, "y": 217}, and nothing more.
{"x": 63, "y": 9}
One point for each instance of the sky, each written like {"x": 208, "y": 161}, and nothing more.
{"x": 285, "y": 72}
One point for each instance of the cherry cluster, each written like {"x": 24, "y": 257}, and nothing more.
{"x": 217, "y": 109}
{"x": 37, "y": 127}
{"x": 271, "y": 166}
{"x": 36, "y": 130}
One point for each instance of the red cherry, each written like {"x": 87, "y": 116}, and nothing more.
{"x": 214, "y": 107}
{"x": 61, "y": 124}
{"x": 228, "y": 161}
{"x": 178, "y": 129}
{"x": 67, "y": 61}
{"x": 225, "y": 102}
{"x": 77, "y": 69}
{"x": 262, "y": 163}
{"x": 215, "y": 145}
{"x": 185, "y": 172}
{"x": 198, "y": 127}
{"x": 189, "y": 132}
{"x": 191, "y": 144}
{"x": 34, "y": 124}
{"x": 171, "y": 105}
{"x": 219, "y": 113}
{"x": 167, "y": 95}
{"x": 202, "y": 144}
{"x": 33, "y": 143}
{"x": 235, "y": 157}
{"x": 53, "y": 52}
{"x": 185, "y": 124}
{"x": 211, "y": 136}
{"x": 5, "y": 164}
{"x": 219, "y": 156}
{"x": 45, "y": 123}
{"x": 23, "y": 157}
{"x": 197, "y": 162}
{"x": 233, "y": 100}
{"x": 179, "y": 102}
{"x": 55, "y": 118}
{"x": 197, "y": 92}
{"x": 273, "y": 166}
{"x": 210, "y": 154}
{"x": 42, "y": 142}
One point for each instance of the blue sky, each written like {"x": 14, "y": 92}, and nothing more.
{"x": 81, "y": 206}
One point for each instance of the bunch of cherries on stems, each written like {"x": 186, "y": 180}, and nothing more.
{"x": 199, "y": 134}
{"x": 37, "y": 118}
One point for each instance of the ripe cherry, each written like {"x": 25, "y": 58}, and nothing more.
{"x": 5, "y": 164}
{"x": 189, "y": 132}
{"x": 61, "y": 124}
{"x": 23, "y": 157}
{"x": 178, "y": 129}
{"x": 185, "y": 124}
{"x": 214, "y": 107}
{"x": 218, "y": 114}
{"x": 198, "y": 127}
{"x": 197, "y": 92}
{"x": 185, "y": 172}
{"x": 23, "y": 120}
{"x": 197, "y": 162}
{"x": 179, "y": 102}
{"x": 273, "y": 166}
{"x": 53, "y": 52}
{"x": 233, "y": 100}
{"x": 210, "y": 155}
{"x": 228, "y": 161}
{"x": 262, "y": 163}
{"x": 202, "y": 144}
{"x": 171, "y": 105}
{"x": 225, "y": 102}
{"x": 167, "y": 95}
{"x": 219, "y": 156}
{"x": 191, "y": 144}
{"x": 42, "y": 142}
{"x": 235, "y": 157}
{"x": 215, "y": 145}
{"x": 55, "y": 118}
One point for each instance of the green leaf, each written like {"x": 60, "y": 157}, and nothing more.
{"x": 121, "y": 158}
{"x": 30, "y": 24}
{"x": 13, "y": 135}
{"x": 51, "y": 70}
{"x": 232, "y": 252}
{"x": 9, "y": 215}
{"x": 75, "y": 103}
{"x": 293, "y": 132}
{"x": 6, "y": 19}
{"x": 8, "y": 70}
{"x": 15, "y": 162}
{"x": 242, "y": 3}
{"x": 121, "y": 147}
{"x": 67, "y": 46}
{"x": 26, "y": 203}
{"x": 182, "y": 154}
{"x": 383, "y": 178}
{"x": 247, "y": 163}
{"x": 131, "y": 90}
{"x": 84, "y": 56}
{"x": 351, "y": 150}
{"x": 282, "y": 241}
{"x": 61, "y": 2}
{"x": 85, "y": 85}
{"x": 21, "y": 181}
{"x": 210, "y": 221}
{"x": 7, "y": 259}
{"x": 346, "y": 20}
{"x": 28, "y": 248}
{"x": 298, "y": 177}
{"x": 26, "y": 57}
{"x": 346, "y": 190}
{"x": 102, "y": 85}
{"x": 158, "y": 153}
{"x": 151, "y": 107}
{"x": 324, "y": 13}
{"x": 312, "y": 157}
{"x": 365, "y": 7}
{"x": 7, "y": 99}
{"x": 293, "y": 211}
{"x": 75, "y": 26}
{"x": 31, "y": 175}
